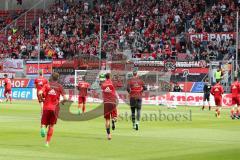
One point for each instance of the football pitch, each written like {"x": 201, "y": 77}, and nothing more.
{"x": 194, "y": 134}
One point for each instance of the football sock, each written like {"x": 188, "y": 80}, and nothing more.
{"x": 232, "y": 112}
{"x": 138, "y": 114}
{"x": 218, "y": 112}
{"x": 133, "y": 114}
{"x": 49, "y": 134}
{"x": 83, "y": 108}
{"x": 113, "y": 125}
{"x": 108, "y": 130}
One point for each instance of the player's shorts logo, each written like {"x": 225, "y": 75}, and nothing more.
{"x": 227, "y": 100}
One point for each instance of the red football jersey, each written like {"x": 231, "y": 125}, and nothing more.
{"x": 108, "y": 92}
{"x": 136, "y": 85}
{"x": 83, "y": 88}
{"x": 40, "y": 82}
{"x": 52, "y": 92}
{"x": 235, "y": 88}
{"x": 217, "y": 90}
{"x": 7, "y": 84}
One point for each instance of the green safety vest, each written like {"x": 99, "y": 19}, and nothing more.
{"x": 218, "y": 75}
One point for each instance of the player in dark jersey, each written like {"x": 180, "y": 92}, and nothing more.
{"x": 206, "y": 96}
{"x": 135, "y": 89}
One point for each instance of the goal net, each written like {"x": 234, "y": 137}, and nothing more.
{"x": 157, "y": 83}
{"x": 92, "y": 77}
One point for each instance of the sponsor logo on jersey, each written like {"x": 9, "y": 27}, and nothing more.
{"x": 52, "y": 92}
{"x": 107, "y": 89}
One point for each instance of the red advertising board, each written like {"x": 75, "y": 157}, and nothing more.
{"x": 17, "y": 83}
{"x": 32, "y": 67}
{"x": 63, "y": 64}
{"x": 192, "y": 71}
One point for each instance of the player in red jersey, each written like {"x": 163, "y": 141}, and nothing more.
{"x": 52, "y": 93}
{"x": 39, "y": 83}
{"x": 235, "y": 90}
{"x": 135, "y": 89}
{"x": 217, "y": 91}
{"x": 82, "y": 97}
{"x": 7, "y": 88}
{"x": 110, "y": 104}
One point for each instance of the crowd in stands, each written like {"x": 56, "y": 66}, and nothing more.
{"x": 154, "y": 30}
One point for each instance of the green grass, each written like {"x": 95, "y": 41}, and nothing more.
{"x": 203, "y": 138}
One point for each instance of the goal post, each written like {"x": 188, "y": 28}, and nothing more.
{"x": 92, "y": 77}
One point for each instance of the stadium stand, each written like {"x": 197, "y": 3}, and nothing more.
{"x": 152, "y": 30}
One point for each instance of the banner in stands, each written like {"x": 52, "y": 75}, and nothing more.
{"x": 87, "y": 64}
{"x": 78, "y": 63}
{"x": 10, "y": 75}
{"x": 171, "y": 98}
{"x": 63, "y": 64}
{"x": 32, "y": 68}
{"x": 11, "y": 65}
{"x": 19, "y": 83}
{"x": 194, "y": 64}
{"x": 19, "y": 93}
{"x": 212, "y": 36}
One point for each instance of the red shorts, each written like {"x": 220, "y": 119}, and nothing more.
{"x": 218, "y": 101}
{"x": 82, "y": 100}
{"x": 235, "y": 100}
{"x": 110, "y": 110}
{"x": 49, "y": 117}
{"x": 7, "y": 91}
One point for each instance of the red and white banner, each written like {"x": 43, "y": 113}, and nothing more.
{"x": 211, "y": 36}
{"x": 192, "y": 71}
{"x": 32, "y": 67}
{"x": 63, "y": 64}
